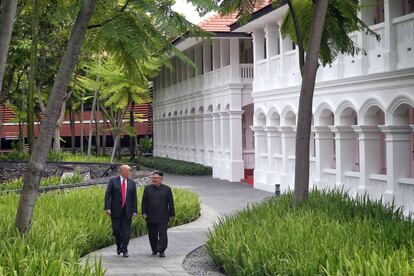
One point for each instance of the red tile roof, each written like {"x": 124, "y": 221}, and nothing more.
{"x": 218, "y": 23}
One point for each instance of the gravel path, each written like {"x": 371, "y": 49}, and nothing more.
{"x": 218, "y": 198}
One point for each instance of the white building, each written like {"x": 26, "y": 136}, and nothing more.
{"x": 363, "y": 119}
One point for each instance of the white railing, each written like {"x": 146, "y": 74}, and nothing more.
{"x": 261, "y": 68}
{"x": 312, "y": 168}
{"x": 329, "y": 177}
{"x": 377, "y": 185}
{"x": 275, "y": 65}
{"x": 351, "y": 183}
{"x": 404, "y": 26}
{"x": 407, "y": 193}
{"x": 278, "y": 163}
{"x": 248, "y": 159}
{"x": 291, "y": 164}
{"x": 246, "y": 71}
{"x": 226, "y": 77}
{"x": 263, "y": 161}
{"x": 374, "y": 44}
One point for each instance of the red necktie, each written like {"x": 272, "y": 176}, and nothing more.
{"x": 123, "y": 192}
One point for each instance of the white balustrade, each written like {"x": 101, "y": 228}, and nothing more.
{"x": 404, "y": 26}
{"x": 377, "y": 185}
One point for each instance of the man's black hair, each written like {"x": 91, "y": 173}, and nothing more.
{"x": 160, "y": 173}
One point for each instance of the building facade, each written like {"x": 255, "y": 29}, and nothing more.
{"x": 363, "y": 108}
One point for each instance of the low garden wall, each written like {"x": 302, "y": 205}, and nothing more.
{"x": 15, "y": 169}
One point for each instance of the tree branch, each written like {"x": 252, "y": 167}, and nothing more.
{"x": 110, "y": 19}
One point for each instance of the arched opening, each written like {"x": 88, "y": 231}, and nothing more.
{"x": 374, "y": 116}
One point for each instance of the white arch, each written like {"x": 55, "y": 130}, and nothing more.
{"x": 273, "y": 117}
{"x": 394, "y": 115}
{"x": 259, "y": 117}
{"x": 287, "y": 112}
{"x": 321, "y": 114}
{"x": 364, "y": 113}
{"x": 339, "y": 113}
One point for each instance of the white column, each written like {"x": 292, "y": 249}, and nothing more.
{"x": 216, "y": 144}
{"x": 208, "y": 137}
{"x": 185, "y": 138}
{"x": 235, "y": 60}
{"x": 281, "y": 47}
{"x": 207, "y": 56}
{"x": 236, "y": 149}
{"x": 288, "y": 139}
{"x": 260, "y": 149}
{"x": 324, "y": 153}
{"x": 225, "y": 145}
{"x": 273, "y": 175}
{"x": 398, "y": 145}
{"x": 370, "y": 155}
{"x": 391, "y": 11}
{"x": 198, "y": 59}
{"x": 199, "y": 136}
{"x": 191, "y": 132}
{"x": 216, "y": 54}
{"x": 345, "y": 145}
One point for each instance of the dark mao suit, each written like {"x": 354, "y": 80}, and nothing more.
{"x": 158, "y": 204}
{"x": 121, "y": 217}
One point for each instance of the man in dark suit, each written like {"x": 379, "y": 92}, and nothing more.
{"x": 157, "y": 210}
{"x": 121, "y": 206}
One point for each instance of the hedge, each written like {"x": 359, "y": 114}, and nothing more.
{"x": 66, "y": 226}
{"x": 175, "y": 166}
{"x": 331, "y": 234}
{"x": 54, "y": 180}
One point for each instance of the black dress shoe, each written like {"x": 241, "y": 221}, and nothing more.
{"x": 118, "y": 252}
{"x": 162, "y": 255}
{"x": 125, "y": 255}
{"x": 154, "y": 253}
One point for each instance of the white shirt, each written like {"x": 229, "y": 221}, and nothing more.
{"x": 126, "y": 184}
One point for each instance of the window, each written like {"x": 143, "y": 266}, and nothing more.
{"x": 408, "y": 6}
{"x": 379, "y": 12}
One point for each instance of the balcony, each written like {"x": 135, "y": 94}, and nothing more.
{"x": 207, "y": 81}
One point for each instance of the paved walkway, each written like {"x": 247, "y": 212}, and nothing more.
{"x": 218, "y": 198}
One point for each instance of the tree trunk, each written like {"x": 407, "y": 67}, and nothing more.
{"x": 57, "y": 96}
{"x": 305, "y": 103}
{"x": 81, "y": 127}
{"x": 116, "y": 141}
{"x": 95, "y": 97}
{"x": 56, "y": 140}
{"x": 6, "y": 27}
{"x": 21, "y": 136}
{"x": 72, "y": 130}
{"x": 104, "y": 136}
{"x": 97, "y": 130}
{"x": 131, "y": 137}
{"x": 32, "y": 72}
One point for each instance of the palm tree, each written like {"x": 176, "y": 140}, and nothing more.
{"x": 305, "y": 25}
{"x": 6, "y": 27}
{"x": 42, "y": 145}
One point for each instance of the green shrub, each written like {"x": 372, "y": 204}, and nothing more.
{"x": 146, "y": 144}
{"x": 67, "y": 226}
{"x": 331, "y": 234}
{"x": 175, "y": 166}
{"x": 16, "y": 184}
{"x": 55, "y": 156}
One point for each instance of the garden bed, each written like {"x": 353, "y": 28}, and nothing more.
{"x": 174, "y": 166}
{"x": 67, "y": 226}
{"x": 331, "y": 234}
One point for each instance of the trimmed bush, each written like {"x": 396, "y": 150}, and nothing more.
{"x": 174, "y": 166}
{"x": 56, "y": 156}
{"x": 17, "y": 184}
{"x": 331, "y": 234}
{"x": 66, "y": 226}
